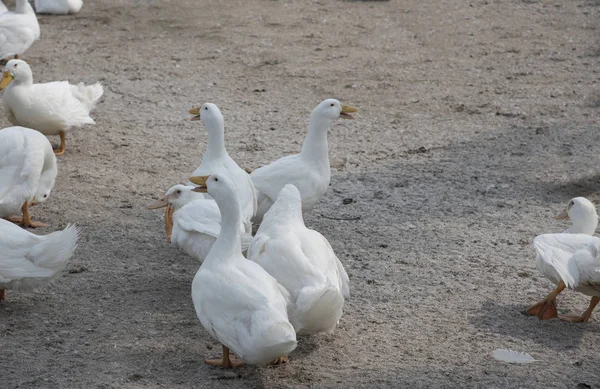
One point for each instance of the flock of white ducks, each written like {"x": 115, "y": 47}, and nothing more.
{"x": 253, "y": 294}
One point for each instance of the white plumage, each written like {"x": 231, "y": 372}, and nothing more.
{"x": 236, "y": 300}
{"x": 3, "y": 8}
{"x": 196, "y": 221}
{"x": 303, "y": 261}
{"x": 59, "y": 7}
{"x": 309, "y": 171}
{"x": 18, "y": 29}
{"x": 27, "y": 169}
{"x": 52, "y": 108}
{"x": 216, "y": 160}
{"x": 29, "y": 261}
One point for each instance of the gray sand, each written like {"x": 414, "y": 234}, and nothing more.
{"x": 478, "y": 122}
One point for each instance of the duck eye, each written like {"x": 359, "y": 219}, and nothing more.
{"x": 206, "y": 108}
{"x": 216, "y": 179}
{"x": 15, "y": 66}
{"x": 45, "y": 195}
{"x": 332, "y": 104}
{"x": 178, "y": 191}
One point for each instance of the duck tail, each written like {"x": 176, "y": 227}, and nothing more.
{"x": 91, "y": 93}
{"x": 55, "y": 249}
{"x": 318, "y": 309}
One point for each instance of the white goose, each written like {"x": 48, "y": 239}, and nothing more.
{"x": 28, "y": 261}
{"x": 216, "y": 160}
{"x": 196, "y": 221}
{"x": 570, "y": 260}
{"x": 52, "y": 108}
{"x": 27, "y": 172}
{"x": 59, "y": 7}
{"x": 18, "y": 30}
{"x": 303, "y": 261}
{"x": 309, "y": 171}
{"x": 237, "y": 301}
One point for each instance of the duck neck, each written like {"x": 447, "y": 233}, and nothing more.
{"x": 26, "y": 80}
{"x": 216, "y": 141}
{"x": 585, "y": 225}
{"x": 228, "y": 244}
{"x": 315, "y": 147}
{"x": 23, "y": 7}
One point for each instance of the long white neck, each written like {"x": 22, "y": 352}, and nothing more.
{"x": 216, "y": 140}
{"x": 584, "y": 225}
{"x": 286, "y": 211}
{"x": 23, "y": 7}
{"x": 228, "y": 244}
{"x": 315, "y": 147}
{"x": 26, "y": 79}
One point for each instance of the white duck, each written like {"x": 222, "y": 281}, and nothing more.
{"x": 216, "y": 160}
{"x": 236, "y": 300}
{"x": 28, "y": 261}
{"x": 27, "y": 172}
{"x": 303, "y": 261}
{"x": 196, "y": 221}
{"x": 3, "y": 8}
{"x": 309, "y": 171}
{"x": 52, "y": 108}
{"x": 59, "y": 7}
{"x": 570, "y": 260}
{"x": 18, "y": 30}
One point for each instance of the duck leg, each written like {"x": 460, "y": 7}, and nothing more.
{"x": 169, "y": 221}
{"x": 280, "y": 360}
{"x": 2, "y": 293}
{"x": 26, "y": 221}
{"x": 585, "y": 316}
{"x": 546, "y": 309}
{"x": 225, "y": 362}
{"x": 61, "y": 148}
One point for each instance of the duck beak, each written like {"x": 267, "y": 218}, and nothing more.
{"x": 196, "y": 113}
{"x": 201, "y": 181}
{"x": 6, "y": 79}
{"x": 562, "y": 215}
{"x": 159, "y": 204}
{"x": 346, "y": 111}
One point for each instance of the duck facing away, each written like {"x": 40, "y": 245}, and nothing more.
{"x": 309, "y": 171}
{"x": 195, "y": 223}
{"x": 52, "y": 108}
{"x": 58, "y": 7}
{"x": 28, "y": 261}
{"x": 27, "y": 173}
{"x": 216, "y": 160}
{"x": 237, "y": 301}
{"x": 18, "y": 30}
{"x": 570, "y": 260}
{"x": 303, "y": 262}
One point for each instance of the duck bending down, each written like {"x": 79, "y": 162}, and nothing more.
{"x": 216, "y": 160}
{"x": 18, "y": 30}
{"x": 58, "y": 7}
{"x": 52, "y": 108}
{"x": 28, "y": 261}
{"x": 303, "y": 262}
{"x": 195, "y": 222}
{"x": 309, "y": 171}
{"x": 570, "y": 260}
{"x": 237, "y": 301}
{"x": 27, "y": 173}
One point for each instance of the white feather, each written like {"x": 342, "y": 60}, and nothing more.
{"x": 511, "y": 356}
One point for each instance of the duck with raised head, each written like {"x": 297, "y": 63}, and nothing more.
{"x": 309, "y": 170}
{"x": 571, "y": 260}
{"x": 52, "y": 108}
{"x": 237, "y": 301}
{"x": 303, "y": 261}
{"x": 27, "y": 173}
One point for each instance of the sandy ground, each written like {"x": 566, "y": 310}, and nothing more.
{"x": 479, "y": 120}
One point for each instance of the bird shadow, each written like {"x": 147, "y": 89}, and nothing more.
{"x": 511, "y": 321}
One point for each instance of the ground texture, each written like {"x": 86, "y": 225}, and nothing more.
{"x": 478, "y": 122}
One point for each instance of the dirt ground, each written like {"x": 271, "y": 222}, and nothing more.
{"x": 478, "y": 122}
